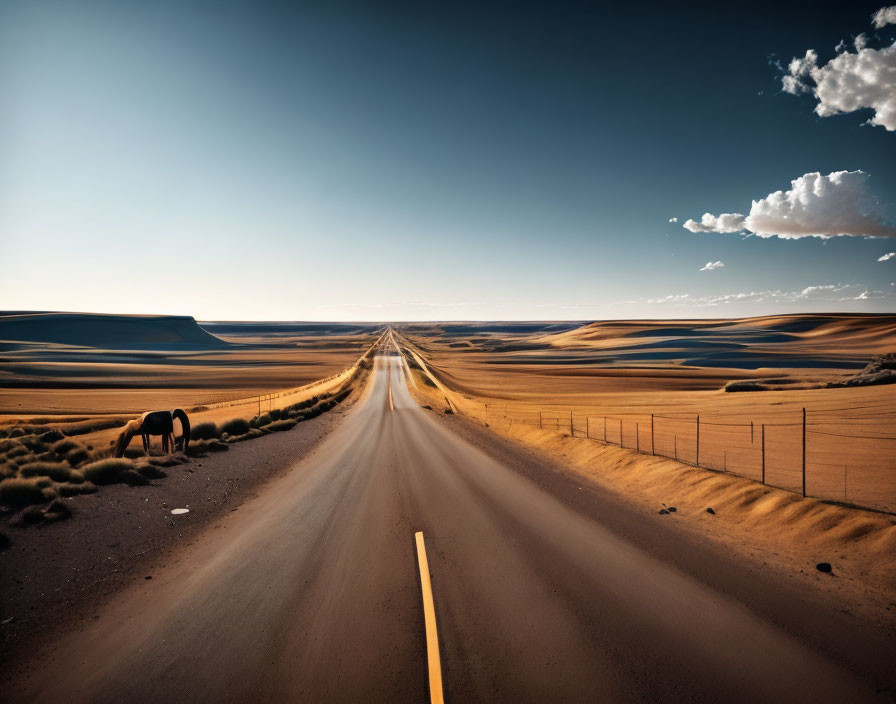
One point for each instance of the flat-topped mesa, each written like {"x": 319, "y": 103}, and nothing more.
{"x": 162, "y": 332}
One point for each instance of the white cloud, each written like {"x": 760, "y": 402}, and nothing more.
{"x": 884, "y": 16}
{"x": 816, "y": 206}
{"x": 673, "y": 219}
{"x": 726, "y": 222}
{"x": 886, "y": 257}
{"x": 822, "y": 293}
{"x": 709, "y": 266}
{"x": 850, "y": 81}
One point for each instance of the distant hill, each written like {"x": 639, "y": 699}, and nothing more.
{"x": 130, "y": 332}
{"x": 829, "y": 340}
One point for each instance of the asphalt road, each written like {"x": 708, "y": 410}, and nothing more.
{"x": 310, "y": 593}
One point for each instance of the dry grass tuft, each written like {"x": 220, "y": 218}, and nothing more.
{"x": 57, "y": 471}
{"x": 204, "y": 431}
{"x": 19, "y": 491}
{"x": 235, "y": 426}
{"x": 71, "y": 489}
{"x": 106, "y": 471}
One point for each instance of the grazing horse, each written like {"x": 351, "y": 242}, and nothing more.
{"x": 155, "y": 423}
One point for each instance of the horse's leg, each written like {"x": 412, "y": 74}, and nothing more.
{"x": 165, "y": 443}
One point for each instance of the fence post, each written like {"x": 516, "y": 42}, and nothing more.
{"x": 675, "y": 447}
{"x": 540, "y": 419}
{"x": 605, "y": 429}
{"x": 652, "y": 452}
{"x": 572, "y": 432}
{"x": 724, "y": 460}
{"x": 804, "y": 452}
{"x": 620, "y": 433}
{"x": 751, "y": 432}
{"x": 588, "y": 427}
{"x": 698, "y": 441}
{"x": 763, "y": 453}
{"x": 637, "y": 439}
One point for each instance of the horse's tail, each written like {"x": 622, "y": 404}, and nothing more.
{"x": 181, "y": 415}
{"x": 130, "y": 430}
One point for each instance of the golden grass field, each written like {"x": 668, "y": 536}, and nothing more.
{"x": 642, "y": 385}
{"x": 74, "y": 371}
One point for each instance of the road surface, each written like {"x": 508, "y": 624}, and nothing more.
{"x": 311, "y": 593}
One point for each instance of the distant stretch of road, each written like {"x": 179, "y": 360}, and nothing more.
{"x": 311, "y": 592}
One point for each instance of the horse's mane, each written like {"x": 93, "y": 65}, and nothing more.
{"x": 181, "y": 415}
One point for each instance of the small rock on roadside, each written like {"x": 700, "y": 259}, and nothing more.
{"x": 709, "y": 510}
{"x": 824, "y": 567}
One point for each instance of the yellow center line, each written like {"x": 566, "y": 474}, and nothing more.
{"x": 429, "y": 616}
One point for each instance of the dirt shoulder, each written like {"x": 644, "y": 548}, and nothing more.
{"x": 57, "y": 575}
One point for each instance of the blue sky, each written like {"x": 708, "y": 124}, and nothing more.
{"x": 399, "y": 161}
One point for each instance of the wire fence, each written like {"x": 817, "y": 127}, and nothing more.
{"x": 844, "y": 455}
{"x": 266, "y": 401}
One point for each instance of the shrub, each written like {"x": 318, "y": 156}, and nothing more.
{"x": 34, "y": 443}
{"x": 72, "y": 489}
{"x": 132, "y": 478}
{"x": 16, "y": 432}
{"x": 235, "y": 426}
{"x": 150, "y": 471}
{"x": 282, "y": 425}
{"x": 57, "y": 471}
{"x": 275, "y": 413}
{"x": 17, "y": 451}
{"x": 76, "y": 456}
{"x": 57, "y": 511}
{"x": 51, "y": 436}
{"x": 64, "y": 446}
{"x": 170, "y": 461}
{"x": 19, "y": 491}
{"x": 215, "y": 445}
{"x": 264, "y": 419}
{"x": 204, "y": 431}
{"x": 106, "y": 471}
